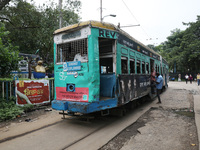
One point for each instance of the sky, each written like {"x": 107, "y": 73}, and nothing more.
{"x": 157, "y": 18}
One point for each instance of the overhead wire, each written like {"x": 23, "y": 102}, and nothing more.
{"x": 136, "y": 20}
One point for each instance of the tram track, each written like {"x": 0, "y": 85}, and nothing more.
{"x": 73, "y": 133}
{"x": 79, "y": 140}
{"x": 107, "y": 132}
{"x": 26, "y": 133}
{"x": 41, "y": 128}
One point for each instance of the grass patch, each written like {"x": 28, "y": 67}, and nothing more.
{"x": 185, "y": 113}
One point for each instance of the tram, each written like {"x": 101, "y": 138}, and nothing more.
{"x": 98, "y": 66}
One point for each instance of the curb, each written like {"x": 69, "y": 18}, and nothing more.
{"x": 197, "y": 114}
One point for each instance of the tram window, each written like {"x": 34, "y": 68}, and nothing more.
{"x": 132, "y": 66}
{"x": 124, "y": 65}
{"x": 147, "y": 68}
{"x": 143, "y": 67}
{"x": 72, "y": 51}
{"x": 106, "y": 65}
{"x": 156, "y": 68}
{"x": 138, "y": 67}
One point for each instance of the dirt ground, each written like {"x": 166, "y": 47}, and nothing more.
{"x": 170, "y": 125}
{"x": 31, "y": 116}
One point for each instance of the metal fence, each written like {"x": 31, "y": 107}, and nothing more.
{"x": 7, "y": 89}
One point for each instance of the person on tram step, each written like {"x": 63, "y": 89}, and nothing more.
{"x": 159, "y": 85}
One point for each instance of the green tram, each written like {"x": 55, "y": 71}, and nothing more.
{"x": 98, "y": 66}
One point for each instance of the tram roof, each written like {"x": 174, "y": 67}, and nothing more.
{"x": 103, "y": 25}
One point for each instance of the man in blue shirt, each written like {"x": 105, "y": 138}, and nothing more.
{"x": 159, "y": 85}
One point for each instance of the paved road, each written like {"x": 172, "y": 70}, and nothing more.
{"x": 169, "y": 125}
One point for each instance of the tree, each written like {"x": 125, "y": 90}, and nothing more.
{"x": 8, "y": 54}
{"x": 3, "y": 3}
{"x": 31, "y": 28}
{"x": 183, "y": 48}
{"x": 50, "y": 23}
{"x": 22, "y": 21}
{"x": 191, "y": 45}
{"x": 170, "y": 49}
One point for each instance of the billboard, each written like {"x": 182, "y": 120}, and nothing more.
{"x": 32, "y": 92}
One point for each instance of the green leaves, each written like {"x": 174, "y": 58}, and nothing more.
{"x": 8, "y": 54}
{"x": 183, "y": 48}
{"x": 9, "y": 110}
{"x": 31, "y": 27}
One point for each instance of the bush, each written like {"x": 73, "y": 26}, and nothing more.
{"x": 9, "y": 110}
{"x": 28, "y": 107}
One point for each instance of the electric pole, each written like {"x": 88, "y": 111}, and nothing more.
{"x": 60, "y": 17}
{"x": 101, "y": 11}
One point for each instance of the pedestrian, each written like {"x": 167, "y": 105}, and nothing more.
{"x": 159, "y": 85}
{"x": 179, "y": 77}
{"x": 186, "y": 78}
{"x": 190, "y": 78}
{"x": 198, "y": 79}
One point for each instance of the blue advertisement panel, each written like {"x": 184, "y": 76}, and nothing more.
{"x": 72, "y": 66}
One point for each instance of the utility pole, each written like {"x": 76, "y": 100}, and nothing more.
{"x": 60, "y": 17}
{"x": 101, "y": 19}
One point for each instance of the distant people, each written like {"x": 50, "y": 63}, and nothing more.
{"x": 179, "y": 77}
{"x": 198, "y": 79}
{"x": 190, "y": 78}
{"x": 186, "y": 78}
{"x": 159, "y": 85}
{"x": 153, "y": 79}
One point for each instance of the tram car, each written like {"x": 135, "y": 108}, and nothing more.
{"x": 98, "y": 66}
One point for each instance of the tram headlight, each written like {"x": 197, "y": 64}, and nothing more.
{"x": 71, "y": 87}
{"x": 76, "y": 75}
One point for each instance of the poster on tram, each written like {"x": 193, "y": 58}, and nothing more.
{"x": 32, "y": 92}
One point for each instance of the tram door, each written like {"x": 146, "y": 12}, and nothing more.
{"x": 152, "y": 64}
{"x": 107, "y": 59}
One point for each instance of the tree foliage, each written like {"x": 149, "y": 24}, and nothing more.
{"x": 31, "y": 27}
{"x": 183, "y": 48}
{"x": 3, "y": 3}
{"x": 8, "y": 54}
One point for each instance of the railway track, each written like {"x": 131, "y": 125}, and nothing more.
{"x": 74, "y": 133}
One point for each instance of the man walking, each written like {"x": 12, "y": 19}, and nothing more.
{"x": 186, "y": 78}
{"x": 159, "y": 85}
{"x": 198, "y": 79}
